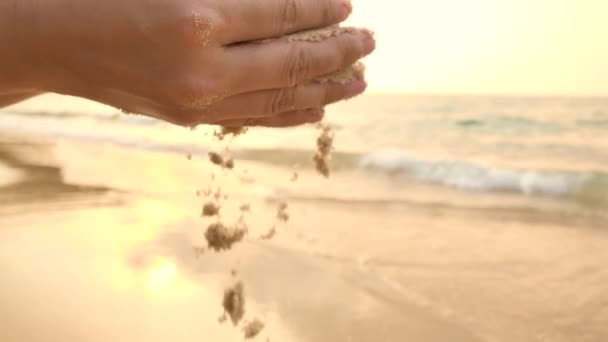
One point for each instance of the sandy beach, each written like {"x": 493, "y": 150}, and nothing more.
{"x": 84, "y": 260}
{"x": 88, "y": 262}
{"x": 96, "y": 244}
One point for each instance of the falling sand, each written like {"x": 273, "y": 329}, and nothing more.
{"x": 211, "y": 209}
{"x": 282, "y": 214}
{"x": 219, "y": 160}
{"x": 324, "y": 148}
{"x": 253, "y": 329}
{"x": 220, "y": 237}
{"x": 216, "y": 158}
{"x": 234, "y": 302}
{"x": 270, "y": 234}
{"x": 227, "y": 131}
{"x": 344, "y": 76}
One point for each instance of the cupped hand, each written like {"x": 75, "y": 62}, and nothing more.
{"x": 193, "y": 62}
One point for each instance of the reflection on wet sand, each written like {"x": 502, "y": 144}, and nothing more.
{"x": 113, "y": 266}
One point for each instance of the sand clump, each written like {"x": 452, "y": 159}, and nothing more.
{"x": 344, "y": 76}
{"x": 325, "y": 143}
{"x": 253, "y": 329}
{"x": 210, "y": 209}
{"x": 229, "y": 163}
{"x": 234, "y": 302}
{"x": 225, "y": 162}
{"x": 229, "y": 131}
{"x": 216, "y": 158}
{"x": 221, "y": 238}
{"x": 282, "y": 214}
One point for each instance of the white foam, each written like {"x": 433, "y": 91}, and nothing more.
{"x": 470, "y": 176}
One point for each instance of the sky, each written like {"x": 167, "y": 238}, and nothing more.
{"x": 535, "y": 47}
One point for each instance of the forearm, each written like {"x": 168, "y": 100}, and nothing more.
{"x": 16, "y": 81}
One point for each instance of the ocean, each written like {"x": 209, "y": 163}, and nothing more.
{"x": 540, "y": 147}
{"x": 446, "y": 218}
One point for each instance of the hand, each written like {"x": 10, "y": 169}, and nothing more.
{"x": 7, "y": 99}
{"x": 192, "y": 61}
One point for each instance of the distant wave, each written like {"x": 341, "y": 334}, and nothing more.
{"x": 590, "y": 187}
{"x": 587, "y": 187}
{"x": 136, "y": 120}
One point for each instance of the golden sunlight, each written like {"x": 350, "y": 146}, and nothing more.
{"x": 161, "y": 275}
{"x": 487, "y": 46}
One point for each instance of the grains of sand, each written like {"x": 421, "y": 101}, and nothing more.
{"x": 202, "y": 103}
{"x": 295, "y": 176}
{"x": 282, "y": 214}
{"x": 253, "y": 329}
{"x": 270, "y": 234}
{"x": 233, "y": 131}
{"x": 218, "y": 194}
{"x": 234, "y": 302}
{"x": 204, "y": 28}
{"x": 199, "y": 251}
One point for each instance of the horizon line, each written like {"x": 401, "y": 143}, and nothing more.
{"x": 489, "y": 94}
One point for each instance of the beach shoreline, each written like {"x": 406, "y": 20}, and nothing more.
{"x": 42, "y": 199}
{"x": 108, "y": 226}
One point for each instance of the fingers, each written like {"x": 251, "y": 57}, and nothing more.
{"x": 283, "y": 63}
{"x": 254, "y": 19}
{"x": 288, "y": 119}
{"x": 271, "y": 102}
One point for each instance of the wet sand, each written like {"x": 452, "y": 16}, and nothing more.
{"x": 96, "y": 245}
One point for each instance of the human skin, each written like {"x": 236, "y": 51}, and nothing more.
{"x": 188, "y": 62}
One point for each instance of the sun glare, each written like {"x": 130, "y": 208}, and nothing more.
{"x": 486, "y": 46}
{"x": 161, "y": 275}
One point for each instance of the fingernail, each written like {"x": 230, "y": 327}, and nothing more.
{"x": 355, "y": 88}
{"x": 369, "y": 43}
{"x": 345, "y": 9}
